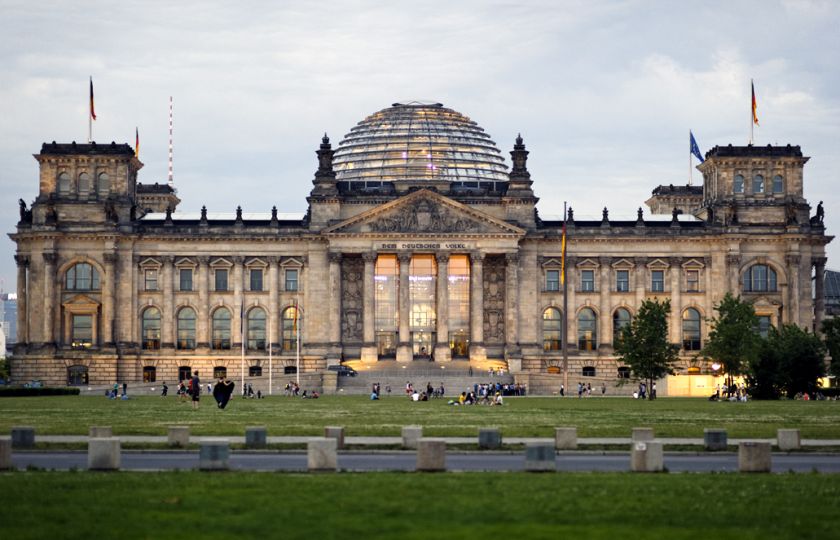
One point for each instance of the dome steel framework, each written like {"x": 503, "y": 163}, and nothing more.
{"x": 419, "y": 141}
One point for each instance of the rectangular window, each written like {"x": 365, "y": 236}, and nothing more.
{"x": 692, "y": 280}
{"x": 291, "y": 280}
{"x": 622, "y": 280}
{"x": 587, "y": 280}
{"x": 764, "y": 324}
{"x": 150, "y": 277}
{"x": 221, "y": 279}
{"x": 186, "y": 279}
{"x": 552, "y": 280}
{"x": 82, "y": 331}
{"x": 256, "y": 280}
{"x": 657, "y": 280}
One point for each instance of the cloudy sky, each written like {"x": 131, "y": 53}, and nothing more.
{"x": 604, "y": 93}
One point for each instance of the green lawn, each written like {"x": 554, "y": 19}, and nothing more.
{"x": 410, "y": 505}
{"x": 594, "y": 417}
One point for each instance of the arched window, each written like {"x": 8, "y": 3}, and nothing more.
{"x": 256, "y": 329}
{"x": 150, "y": 328}
{"x": 587, "y": 330}
{"x": 739, "y": 184}
{"x": 77, "y": 375}
{"x": 621, "y": 319}
{"x": 760, "y": 278}
{"x": 220, "y": 372}
{"x": 84, "y": 183}
{"x": 103, "y": 184}
{"x": 624, "y": 372}
{"x": 552, "y": 329}
{"x": 778, "y": 184}
{"x": 63, "y": 184}
{"x": 291, "y": 320}
{"x": 758, "y": 184}
{"x": 81, "y": 277}
{"x": 691, "y": 330}
{"x": 589, "y": 371}
{"x": 186, "y": 328}
{"x": 255, "y": 371}
{"x": 221, "y": 329}
{"x": 149, "y": 374}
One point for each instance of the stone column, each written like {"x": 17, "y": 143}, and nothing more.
{"x": 641, "y": 280}
{"x": 49, "y": 297}
{"x": 570, "y": 334}
{"x": 675, "y": 325}
{"x": 733, "y": 267}
{"x": 22, "y": 289}
{"x": 203, "y": 322}
{"x": 477, "y": 351}
{"x": 238, "y": 331}
{"x": 335, "y": 306}
{"x": 819, "y": 291}
{"x": 513, "y": 354}
{"x": 109, "y": 283}
{"x": 274, "y": 312}
{"x": 128, "y": 327}
{"x": 166, "y": 319}
{"x": 792, "y": 260}
{"x": 404, "y": 352}
{"x": 369, "y": 352}
{"x": 442, "y": 351}
{"x": 604, "y": 315}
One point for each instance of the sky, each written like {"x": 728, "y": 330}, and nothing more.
{"x": 603, "y": 93}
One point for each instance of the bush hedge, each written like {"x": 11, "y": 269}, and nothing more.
{"x": 20, "y": 391}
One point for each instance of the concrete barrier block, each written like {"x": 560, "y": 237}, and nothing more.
{"x": 788, "y": 439}
{"x": 337, "y": 433}
{"x": 646, "y": 456}
{"x": 410, "y": 436}
{"x": 321, "y": 454}
{"x": 179, "y": 436}
{"x": 214, "y": 454}
{"x": 715, "y": 439}
{"x": 754, "y": 456}
{"x": 23, "y": 437}
{"x": 540, "y": 457}
{"x": 256, "y": 437}
{"x": 100, "y": 432}
{"x": 489, "y": 438}
{"x": 431, "y": 454}
{"x": 104, "y": 454}
{"x": 5, "y": 452}
{"x": 565, "y": 438}
{"x": 642, "y": 434}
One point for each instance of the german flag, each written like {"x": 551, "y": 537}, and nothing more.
{"x": 563, "y": 255}
{"x": 754, "y": 104}
{"x": 92, "y": 111}
{"x": 136, "y": 142}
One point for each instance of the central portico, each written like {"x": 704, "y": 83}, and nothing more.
{"x": 438, "y": 281}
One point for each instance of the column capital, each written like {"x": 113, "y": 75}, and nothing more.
{"x": 793, "y": 259}
{"x": 640, "y": 261}
{"x": 476, "y": 257}
{"x": 238, "y": 260}
{"x": 733, "y": 259}
{"x": 369, "y": 256}
{"x": 442, "y": 257}
{"x": 50, "y": 257}
{"x": 675, "y": 261}
{"x": 512, "y": 258}
{"x": 169, "y": 259}
{"x": 203, "y": 260}
{"x": 819, "y": 262}
{"x": 334, "y": 256}
{"x": 707, "y": 261}
{"x": 604, "y": 261}
{"x": 571, "y": 262}
{"x": 111, "y": 258}
{"x": 22, "y": 260}
{"x": 404, "y": 258}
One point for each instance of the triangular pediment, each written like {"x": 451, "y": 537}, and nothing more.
{"x": 80, "y": 300}
{"x": 424, "y": 211}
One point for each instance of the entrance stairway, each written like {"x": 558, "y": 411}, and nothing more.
{"x": 455, "y": 376}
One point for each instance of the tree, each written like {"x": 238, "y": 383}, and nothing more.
{"x": 789, "y": 362}
{"x": 831, "y": 331}
{"x": 644, "y": 343}
{"x": 733, "y": 340}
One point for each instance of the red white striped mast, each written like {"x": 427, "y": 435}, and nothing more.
{"x": 171, "y": 179}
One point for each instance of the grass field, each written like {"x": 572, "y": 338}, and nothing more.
{"x": 408, "y": 505}
{"x": 526, "y": 417}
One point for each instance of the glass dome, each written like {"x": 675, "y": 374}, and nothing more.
{"x": 419, "y": 141}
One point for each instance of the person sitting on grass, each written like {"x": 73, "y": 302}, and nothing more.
{"x": 498, "y": 400}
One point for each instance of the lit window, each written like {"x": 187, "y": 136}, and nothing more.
{"x": 150, "y": 329}
{"x": 552, "y": 329}
{"x": 77, "y": 375}
{"x": 691, "y": 330}
{"x": 621, "y": 320}
{"x": 82, "y": 330}
{"x": 220, "y": 372}
{"x": 149, "y": 374}
{"x": 291, "y": 328}
{"x": 186, "y": 328}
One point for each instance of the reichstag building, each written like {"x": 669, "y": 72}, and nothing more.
{"x": 420, "y": 242}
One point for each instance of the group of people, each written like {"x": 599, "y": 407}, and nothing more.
{"x": 642, "y": 392}
{"x": 470, "y": 398}
{"x": 114, "y": 392}
{"x": 732, "y": 392}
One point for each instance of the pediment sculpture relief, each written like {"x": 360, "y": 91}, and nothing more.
{"x": 423, "y": 216}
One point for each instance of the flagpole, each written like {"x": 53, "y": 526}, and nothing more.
{"x": 690, "y": 173}
{"x": 752, "y": 109}
{"x": 270, "y": 347}
{"x": 565, "y": 309}
{"x": 297, "y": 346}
{"x": 242, "y": 345}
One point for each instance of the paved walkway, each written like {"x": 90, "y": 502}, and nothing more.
{"x": 388, "y": 441}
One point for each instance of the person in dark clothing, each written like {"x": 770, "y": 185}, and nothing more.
{"x": 222, "y": 392}
{"x": 165, "y": 390}
{"x": 195, "y": 389}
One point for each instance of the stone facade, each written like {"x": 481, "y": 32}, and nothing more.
{"x": 106, "y": 292}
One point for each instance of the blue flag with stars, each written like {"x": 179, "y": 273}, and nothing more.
{"x": 694, "y": 148}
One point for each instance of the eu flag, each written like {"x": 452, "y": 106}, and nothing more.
{"x": 694, "y": 148}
